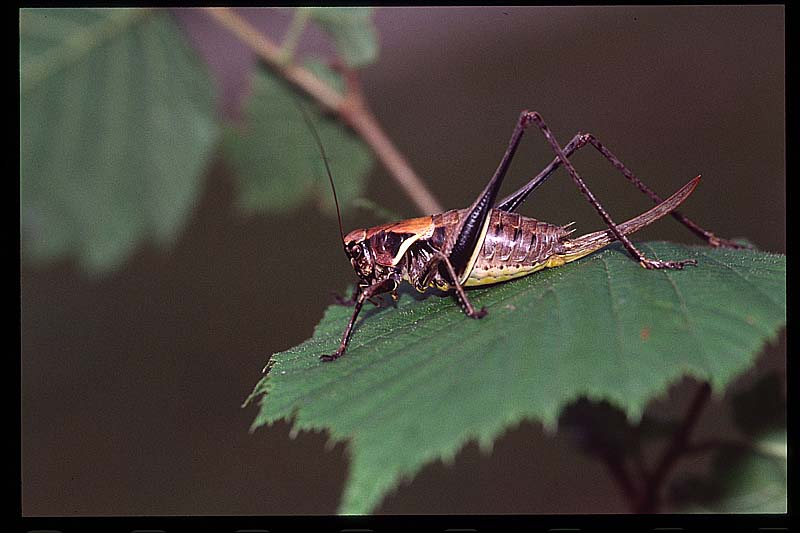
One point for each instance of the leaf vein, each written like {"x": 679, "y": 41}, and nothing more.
{"x": 683, "y": 307}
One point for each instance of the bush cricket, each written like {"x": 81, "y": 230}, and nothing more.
{"x": 490, "y": 242}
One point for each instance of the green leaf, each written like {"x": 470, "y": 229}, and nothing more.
{"x": 421, "y": 379}
{"x": 352, "y": 31}
{"x": 740, "y": 480}
{"x": 276, "y": 158}
{"x": 116, "y": 127}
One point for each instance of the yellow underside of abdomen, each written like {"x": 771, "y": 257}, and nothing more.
{"x": 482, "y": 276}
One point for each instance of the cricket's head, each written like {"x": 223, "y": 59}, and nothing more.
{"x": 376, "y": 253}
{"x": 356, "y": 246}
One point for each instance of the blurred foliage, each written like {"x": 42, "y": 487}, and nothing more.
{"x": 761, "y": 408}
{"x": 352, "y": 31}
{"x": 740, "y": 480}
{"x": 601, "y": 429}
{"x": 276, "y": 158}
{"x": 381, "y": 214}
{"x": 420, "y": 380}
{"x": 116, "y": 127}
{"x": 748, "y": 476}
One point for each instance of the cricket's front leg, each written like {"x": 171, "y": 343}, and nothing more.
{"x": 387, "y": 285}
{"x": 338, "y": 299}
{"x": 347, "y": 302}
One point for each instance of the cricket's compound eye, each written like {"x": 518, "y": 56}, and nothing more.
{"x": 354, "y": 252}
{"x": 360, "y": 260}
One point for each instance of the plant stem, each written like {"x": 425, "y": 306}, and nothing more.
{"x": 620, "y": 474}
{"x": 648, "y": 503}
{"x": 292, "y": 37}
{"x": 270, "y": 53}
{"x": 365, "y": 124}
{"x": 350, "y": 109}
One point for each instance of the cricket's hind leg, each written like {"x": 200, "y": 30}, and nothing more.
{"x": 704, "y": 234}
{"x": 511, "y": 202}
{"x": 461, "y": 294}
{"x": 528, "y": 117}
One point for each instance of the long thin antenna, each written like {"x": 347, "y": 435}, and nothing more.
{"x": 324, "y": 160}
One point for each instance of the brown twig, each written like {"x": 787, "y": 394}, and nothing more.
{"x": 616, "y": 468}
{"x": 639, "y": 463}
{"x": 648, "y": 502}
{"x": 351, "y": 108}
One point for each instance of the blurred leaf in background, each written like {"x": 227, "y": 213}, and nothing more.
{"x": 352, "y": 31}
{"x": 740, "y": 480}
{"x": 420, "y": 380}
{"x": 761, "y": 409}
{"x": 273, "y": 151}
{"x": 600, "y": 429}
{"x": 748, "y": 476}
{"x": 117, "y": 125}
{"x": 276, "y": 158}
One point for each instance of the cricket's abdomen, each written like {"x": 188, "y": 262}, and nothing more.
{"x": 516, "y": 246}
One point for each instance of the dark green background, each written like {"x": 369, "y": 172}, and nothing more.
{"x": 131, "y": 383}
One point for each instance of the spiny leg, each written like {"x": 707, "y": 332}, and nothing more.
{"x": 387, "y": 285}
{"x": 511, "y": 202}
{"x": 473, "y": 224}
{"x": 461, "y": 295}
{"x": 347, "y": 302}
{"x": 338, "y": 299}
{"x": 708, "y": 236}
{"x": 536, "y": 118}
